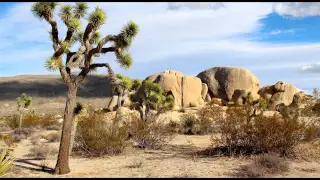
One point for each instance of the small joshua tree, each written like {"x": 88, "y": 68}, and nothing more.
{"x": 23, "y": 103}
{"x": 315, "y": 93}
{"x": 91, "y": 45}
{"x": 150, "y": 96}
{"x": 123, "y": 87}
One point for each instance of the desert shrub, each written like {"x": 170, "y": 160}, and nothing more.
{"x": 262, "y": 165}
{"x": 137, "y": 163}
{"x": 173, "y": 127}
{"x": 254, "y": 134}
{"x": 148, "y": 134}
{"x": 33, "y": 120}
{"x": 97, "y": 137}
{"x": 42, "y": 151}
{"x": 10, "y": 121}
{"x": 35, "y": 140}
{"x": 308, "y": 151}
{"x": 192, "y": 125}
{"x": 21, "y": 133}
{"x": 189, "y": 124}
{"x": 53, "y": 137}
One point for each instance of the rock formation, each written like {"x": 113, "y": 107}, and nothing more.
{"x": 186, "y": 90}
{"x": 281, "y": 92}
{"x": 223, "y": 82}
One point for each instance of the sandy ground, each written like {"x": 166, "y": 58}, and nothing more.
{"x": 174, "y": 160}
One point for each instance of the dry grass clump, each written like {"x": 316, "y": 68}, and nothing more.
{"x": 266, "y": 164}
{"x": 96, "y": 137}
{"x": 53, "y": 137}
{"x": 42, "y": 151}
{"x": 46, "y": 121}
{"x": 308, "y": 151}
{"x": 149, "y": 134}
{"x": 22, "y": 133}
{"x": 31, "y": 120}
{"x": 137, "y": 163}
{"x": 10, "y": 121}
{"x": 192, "y": 125}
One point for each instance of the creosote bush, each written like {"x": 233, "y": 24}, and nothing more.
{"x": 96, "y": 137}
{"x": 148, "y": 134}
{"x": 257, "y": 133}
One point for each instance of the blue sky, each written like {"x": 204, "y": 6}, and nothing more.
{"x": 275, "y": 41}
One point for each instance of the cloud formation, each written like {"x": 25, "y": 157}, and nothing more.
{"x": 297, "y": 9}
{"x": 311, "y": 68}
{"x": 181, "y": 36}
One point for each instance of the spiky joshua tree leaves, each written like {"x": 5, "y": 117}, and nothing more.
{"x": 92, "y": 44}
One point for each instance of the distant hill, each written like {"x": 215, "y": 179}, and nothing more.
{"x": 51, "y": 86}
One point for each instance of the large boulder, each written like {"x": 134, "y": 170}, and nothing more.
{"x": 186, "y": 90}
{"x": 281, "y": 92}
{"x": 222, "y": 82}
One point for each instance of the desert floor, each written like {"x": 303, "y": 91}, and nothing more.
{"x": 177, "y": 159}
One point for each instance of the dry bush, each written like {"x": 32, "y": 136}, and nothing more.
{"x": 22, "y": 133}
{"x": 137, "y": 163}
{"x": 96, "y": 137}
{"x": 267, "y": 164}
{"x": 31, "y": 120}
{"x": 308, "y": 151}
{"x": 256, "y": 134}
{"x": 42, "y": 151}
{"x": 10, "y": 121}
{"x": 192, "y": 125}
{"x": 46, "y": 121}
{"x": 53, "y": 137}
{"x": 149, "y": 134}
{"x": 35, "y": 140}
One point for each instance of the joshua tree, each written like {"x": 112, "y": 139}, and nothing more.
{"x": 91, "y": 45}
{"x": 123, "y": 87}
{"x": 150, "y": 96}
{"x": 315, "y": 93}
{"x": 23, "y": 102}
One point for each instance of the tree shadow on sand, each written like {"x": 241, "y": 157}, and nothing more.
{"x": 36, "y": 167}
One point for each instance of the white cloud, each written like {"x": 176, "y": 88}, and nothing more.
{"x": 311, "y": 68}
{"x": 278, "y": 31}
{"x": 195, "y": 5}
{"x": 297, "y": 9}
{"x": 165, "y": 34}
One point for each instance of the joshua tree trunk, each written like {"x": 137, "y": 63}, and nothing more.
{"x": 20, "y": 118}
{"x": 73, "y": 133}
{"x": 142, "y": 111}
{"x": 62, "y": 166}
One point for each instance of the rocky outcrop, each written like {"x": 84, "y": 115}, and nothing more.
{"x": 281, "y": 92}
{"x": 222, "y": 82}
{"x": 186, "y": 90}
